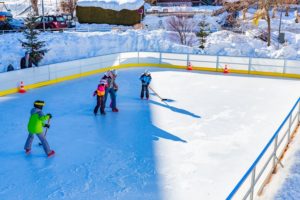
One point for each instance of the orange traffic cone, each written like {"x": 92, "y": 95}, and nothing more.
{"x": 189, "y": 67}
{"x": 22, "y": 88}
{"x": 226, "y": 71}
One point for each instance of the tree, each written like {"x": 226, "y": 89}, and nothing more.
{"x": 183, "y": 27}
{"x": 32, "y": 44}
{"x": 202, "y": 34}
{"x": 265, "y": 6}
{"x": 68, "y": 6}
{"x": 34, "y": 5}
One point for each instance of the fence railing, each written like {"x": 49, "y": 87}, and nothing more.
{"x": 243, "y": 65}
{"x": 260, "y": 172}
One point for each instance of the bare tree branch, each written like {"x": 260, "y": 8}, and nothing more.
{"x": 183, "y": 27}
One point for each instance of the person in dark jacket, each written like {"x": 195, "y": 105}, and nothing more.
{"x": 146, "y": 79}
{"x": 10, "y": 68}
{"x": 111, "y": 88}
{"x": 26, "y": 61}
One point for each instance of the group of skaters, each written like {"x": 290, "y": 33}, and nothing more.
{"x": 109, "y": 86}
{"x": 38, "y": 120}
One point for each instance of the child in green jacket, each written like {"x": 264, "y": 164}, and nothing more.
{"x": 35, "y": 127}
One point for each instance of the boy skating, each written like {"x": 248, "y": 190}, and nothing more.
{"x": 146, "y": 79}
{"x": 35, "y": 127}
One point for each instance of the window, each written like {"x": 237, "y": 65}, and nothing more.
{"x": 39, "y": 19}
{"x": 60, "y": 19}
{"x": 51, "y": 19}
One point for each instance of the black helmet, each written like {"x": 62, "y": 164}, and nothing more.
{"x": 39, "y": 104}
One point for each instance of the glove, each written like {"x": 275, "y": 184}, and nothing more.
{"x": 47, "y": 125}
{"x": 95, "y": 93}
{"x": 50, "y": 116}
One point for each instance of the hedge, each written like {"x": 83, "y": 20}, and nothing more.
{"x": 106, "y": 16}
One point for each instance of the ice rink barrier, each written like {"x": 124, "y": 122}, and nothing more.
{"x": 55, "y": 73}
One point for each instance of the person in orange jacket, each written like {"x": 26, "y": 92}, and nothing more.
{"x": 100, "y": 92}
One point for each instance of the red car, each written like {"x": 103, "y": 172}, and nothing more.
{"x": 52, "y": 22}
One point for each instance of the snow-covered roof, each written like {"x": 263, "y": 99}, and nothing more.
{"x": 112, "y": 4}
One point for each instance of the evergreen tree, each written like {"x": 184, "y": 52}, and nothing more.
{"x": 203, "y": 33}
{"x": 32, "y": 44}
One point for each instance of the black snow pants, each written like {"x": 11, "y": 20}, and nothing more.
{"x": 145, "y": 89}
{"x": 100, "y": 104}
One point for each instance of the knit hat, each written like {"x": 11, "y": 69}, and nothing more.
{"x": 39, "y": 104}
{"x": 114, "y": 72}
{"x": 103, "y": 81}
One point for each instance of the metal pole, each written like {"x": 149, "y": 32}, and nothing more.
{"x": 56, "y": 7}
{"x": 252, "y": 184}
{"x": 217, "y": 64}
{"x": 275, "y": 149}
{"x": 299, "y": 112}
{"x": 284, "y": 66}
{"x": 280, "y": 22}
{"x": 43, "y": 15}
{"x": 290, "y": 125}
{"x": 159, "y": 57}
{"x": 250, "y": 63}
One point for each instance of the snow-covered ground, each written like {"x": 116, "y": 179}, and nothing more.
{"x": 285, "y": 183}
{"x": 195, "y": 146}
{"x": 73, "y": 45}
{"x": 69, "y": 45}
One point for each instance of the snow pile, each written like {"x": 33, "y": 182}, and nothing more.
{"x": 232, "y": 44}
{"x": 75, "y": 45}
{"x": 101, "y": 27}
{"x": 155, "y": 22}
{"x": 116, "y": 5}
{"x": 71, "y": 45}
{"x": 205, "y": 9}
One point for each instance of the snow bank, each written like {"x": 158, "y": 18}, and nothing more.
{"x": 155, "y": 22}
{"x": 233, "y": 44}
{"x": 207, "y": 9}
{"x": 75, "y": 45}
{"x": 112, "y": 4}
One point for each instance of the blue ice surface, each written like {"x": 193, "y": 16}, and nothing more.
{"x": 97, "y": 157}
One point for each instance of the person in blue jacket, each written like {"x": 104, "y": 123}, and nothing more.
{"x": 146, "y": 79}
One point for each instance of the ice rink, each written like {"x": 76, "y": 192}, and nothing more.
{"x": 197, "y": 145}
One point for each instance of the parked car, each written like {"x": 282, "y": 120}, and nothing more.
{"x": 51, "y": 22}
{"x": 7, "y": 22}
